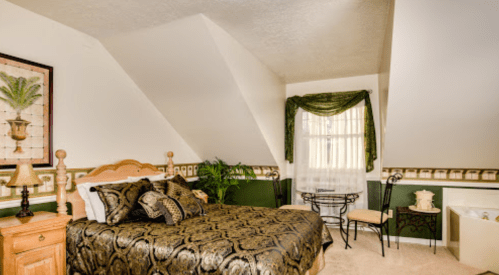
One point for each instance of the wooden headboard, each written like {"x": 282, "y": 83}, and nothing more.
{"x": 105, "y": 173}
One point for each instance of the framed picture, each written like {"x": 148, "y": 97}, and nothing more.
{"x": 25, "y": 112}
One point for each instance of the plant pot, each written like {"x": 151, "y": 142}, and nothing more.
{"x": 18, "y": 132}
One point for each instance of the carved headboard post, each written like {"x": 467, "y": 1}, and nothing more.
{"x": 170, "y": 163}
{"x": 62, "y": 180}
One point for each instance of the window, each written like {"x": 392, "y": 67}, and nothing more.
{"x": 334, "y": 141}
{"x": 330, "y": 154}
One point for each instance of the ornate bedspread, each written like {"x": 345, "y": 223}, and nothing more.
{"x": 228, "y": 240}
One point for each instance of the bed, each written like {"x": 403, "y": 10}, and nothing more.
{"x": 228, "y": 239}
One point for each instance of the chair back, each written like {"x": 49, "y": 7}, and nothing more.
{"x": 276, "y": 182}
{"x": 388, "y": 193}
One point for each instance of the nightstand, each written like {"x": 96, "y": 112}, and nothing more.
{"x": 33, "y": 245}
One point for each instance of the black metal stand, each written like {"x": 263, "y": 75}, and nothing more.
{"x": 25, "y": 212}
{"x": 417, "y": 221}
{"x": 340, "y": 201}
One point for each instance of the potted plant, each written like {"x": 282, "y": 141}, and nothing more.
{"x": 20, "y": 93}
{"x": 217, "y": 176}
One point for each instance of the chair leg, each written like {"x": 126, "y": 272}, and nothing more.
{"x": 381, "y": 239}
{"x": 347, "y": 233}
{"x": 388, "y": 233}
{"x": 355, "y": 231}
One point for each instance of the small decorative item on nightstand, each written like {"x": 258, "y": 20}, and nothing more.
{"x": 200, "y": 195}
{"x": 24, "y": 176}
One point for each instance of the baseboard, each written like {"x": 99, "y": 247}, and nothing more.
{"x": 402, "y": 239}
{"x": 414, "y": 240}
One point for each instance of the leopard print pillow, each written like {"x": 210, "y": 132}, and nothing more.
{"x": 177, "y": 209}
{"x": 174, "y": 189}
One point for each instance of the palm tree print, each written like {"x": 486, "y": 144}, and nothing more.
{"x": 20, "y": 93}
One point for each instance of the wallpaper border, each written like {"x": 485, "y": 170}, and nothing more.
{"x": 445, "y": 174}
{"x": 49, "y": 186}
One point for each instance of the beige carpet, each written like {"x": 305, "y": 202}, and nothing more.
{"x": 365, "y": 258}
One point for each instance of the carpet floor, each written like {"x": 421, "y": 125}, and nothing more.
{"x": 365, "y": 258}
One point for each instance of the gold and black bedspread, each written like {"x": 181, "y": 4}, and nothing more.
{"x": 228, "y": 240}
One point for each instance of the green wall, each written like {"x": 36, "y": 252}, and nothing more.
{"x": 255, "y": 193}
{"x": 259, "y": 193}
{"x": 48, "y": 207}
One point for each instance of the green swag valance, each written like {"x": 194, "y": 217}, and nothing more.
{"x": 330, "y": 104}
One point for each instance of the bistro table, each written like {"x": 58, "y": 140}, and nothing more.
{"x": 331, "y": 199}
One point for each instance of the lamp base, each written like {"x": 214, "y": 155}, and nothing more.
{"x": 24, "y": 213}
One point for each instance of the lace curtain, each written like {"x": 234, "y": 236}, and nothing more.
{"x": 330, "y": 154}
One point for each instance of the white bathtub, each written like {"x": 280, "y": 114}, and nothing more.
{"x": 473, "y": 240}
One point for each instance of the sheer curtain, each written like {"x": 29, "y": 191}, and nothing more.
{"x": 330, "y": 154}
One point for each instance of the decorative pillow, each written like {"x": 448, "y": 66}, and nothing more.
{"x": 174, "y": 189}
{"x": 178, "y": 192}
{"x": 158, "y": 181}
{"x": 148, "y": 201}
{"x": 177, "y": 209}
{"x": 181, "y": 180}
{"x": 94, "y": 207}
{"x": 120, "y": 199}
{"x": 159, "y": 186}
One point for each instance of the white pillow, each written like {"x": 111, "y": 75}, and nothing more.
{"x": 150, "y": 178}
{"x": 96, "y": 204}
{"x": 88, "y": 206}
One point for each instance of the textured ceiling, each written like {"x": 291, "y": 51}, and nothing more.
{"x": 300, "y": 40}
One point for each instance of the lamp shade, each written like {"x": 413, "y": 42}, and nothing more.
{"x": 24, "y": 175}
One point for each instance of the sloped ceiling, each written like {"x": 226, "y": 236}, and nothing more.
{"x": 181, "y": 63}
{"x": 300, "y": 40}
{"x": 180, "y": 68}
{"x": 444, "y": 85}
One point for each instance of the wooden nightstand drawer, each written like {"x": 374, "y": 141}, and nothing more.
{"x": 32, "y": 241}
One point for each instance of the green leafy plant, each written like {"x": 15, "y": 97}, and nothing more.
{"x": 217, "y": 176}
{"x": 20, "y": 93}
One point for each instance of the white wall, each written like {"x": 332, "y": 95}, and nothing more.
{"x": 444, "y": 85}
{"x": 263, "y": 90}
{"x": 100, "y": 115}
{"x": 366, "y": 82}
{"x": 180, "y": 67}
{"x": 384, "y": 79}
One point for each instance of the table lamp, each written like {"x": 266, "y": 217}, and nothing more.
{"x": 24, "y": 176}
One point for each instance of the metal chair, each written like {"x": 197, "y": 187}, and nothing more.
{"x": 376, "y": 220}
{"x": 276, "y": 182}
{"x": 280, "y": 200}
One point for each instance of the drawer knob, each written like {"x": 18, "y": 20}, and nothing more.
{"x": 41, "y": 238}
